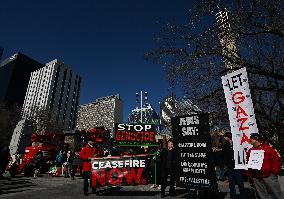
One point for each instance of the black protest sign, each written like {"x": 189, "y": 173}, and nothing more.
{"x": 116, "y": 171}
{"x": 195, "y": 168}
{"x": 134, "y": 134}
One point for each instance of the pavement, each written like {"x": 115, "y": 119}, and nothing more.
{"x": 46, "y": 187}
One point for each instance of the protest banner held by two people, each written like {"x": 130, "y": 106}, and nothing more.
{"x": 125, "y": 170}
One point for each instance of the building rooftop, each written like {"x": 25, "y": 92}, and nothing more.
{"x": 110, "y": 97}
{"x": 20, "y": 56}
{"x": 55, "y": 61}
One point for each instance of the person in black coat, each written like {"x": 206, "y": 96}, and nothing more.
{"x": 168, "y": 161}
{"x": 77, "y": 162}
{"x": 234, "y": 175}
{"x": 4, "y": 159}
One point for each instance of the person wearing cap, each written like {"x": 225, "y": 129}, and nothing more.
{"x": 234, "y": 175}
{"x": 265, "y": 180}
{"x": 86, "y": 154}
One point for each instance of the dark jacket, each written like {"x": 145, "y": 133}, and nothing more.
{"x": 164, "y": 156}
{"x": 77, "y": 159}
{"x": 228, "y": 155}
{"x": 70, "y": 158}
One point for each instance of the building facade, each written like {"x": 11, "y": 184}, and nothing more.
{"x": 170, "y": 107}
{"x": 1, "y": 52}
{"x": 15, "y": 73}
{"x": 149, "y": 115}
{"x": 55, "y": 88}
{"x": 104, "y": 112}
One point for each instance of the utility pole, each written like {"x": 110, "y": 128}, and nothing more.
{"x": 145, "y": 95}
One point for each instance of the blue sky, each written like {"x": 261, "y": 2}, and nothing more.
{"x": 103, "y": 41}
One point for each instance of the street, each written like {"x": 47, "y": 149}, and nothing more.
{"x": 60, "y": 187}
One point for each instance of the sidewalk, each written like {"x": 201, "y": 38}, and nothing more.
{"x": 45, "y": 187}
{"x": 224, "y": 187}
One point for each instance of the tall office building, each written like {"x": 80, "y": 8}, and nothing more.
{"x": 104, "y": 112}
{"x": 1, "y": 52}
{"x": 55, "y": 88}
{"x": 149, "y": 115}
{"x": 171, "y": 106}
{"x": 15, "y": 73}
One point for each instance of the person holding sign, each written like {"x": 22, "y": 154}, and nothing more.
{"x": 168, "y": 161}
{"x": 264, "y": 165}
{"x": 234, "y": 175}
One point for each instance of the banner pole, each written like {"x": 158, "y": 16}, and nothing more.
{"x": 155, "y": 169}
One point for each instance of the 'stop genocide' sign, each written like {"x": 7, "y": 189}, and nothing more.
{"x": 195, "y": 167}
{"x": 134, "y": 134}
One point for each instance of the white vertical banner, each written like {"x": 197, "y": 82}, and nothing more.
{"x": 241, "y": 113}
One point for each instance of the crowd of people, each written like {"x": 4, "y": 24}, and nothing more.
{"x": 69, "y": 162}
{"x": 162, "y": 163}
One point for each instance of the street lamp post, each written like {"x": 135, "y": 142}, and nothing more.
{"x": 141, "y": 102}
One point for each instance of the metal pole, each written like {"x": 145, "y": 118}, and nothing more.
{"x": 141, "y": 98}
{"x": 155, "y": 168}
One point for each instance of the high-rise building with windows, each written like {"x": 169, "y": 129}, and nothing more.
{"x": 149, "y": 115}
{"x": 15, "y": 73}
{"x": 104, "y": 112}
{"x": 171, "y": 106}
{"x": 55, "y": 88}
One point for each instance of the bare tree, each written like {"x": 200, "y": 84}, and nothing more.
{"x": 194, "y": 57}
{"x": 9, "y": 117}
{"x": 44, "y": 120}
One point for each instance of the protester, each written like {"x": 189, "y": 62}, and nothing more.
{"x": 114, "y": 151}
{"x": 14, "y": 164}
{"x": 86, "y": 154}
{"x": 168, "y": 161}
{"x": 4, "y": 159}
{"x": 265, "y": 180}
{"x": 38, "y": 163}
{"x": 67, "y": 164}
{"x": 234, "y": 175}
{"x": 106, "y": 152}
{"x": 76, "y": 163}
{"x": 58, "y": 159}
{"x": 217, "y": 144}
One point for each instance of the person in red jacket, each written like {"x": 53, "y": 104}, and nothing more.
{"x": 86, "y": 154}
{"x": 265, "y": 180}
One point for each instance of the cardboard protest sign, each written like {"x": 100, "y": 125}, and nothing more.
{"x": 134, "y": 134}
{"x": 241, "y": 113}
{"x": 195, "y": 166}
{"x": 115, "y": 171}
{"x": 255, "y": 159}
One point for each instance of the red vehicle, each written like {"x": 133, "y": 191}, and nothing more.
{"x": 48, "y": 152}
{"x": 48, "y": 144}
